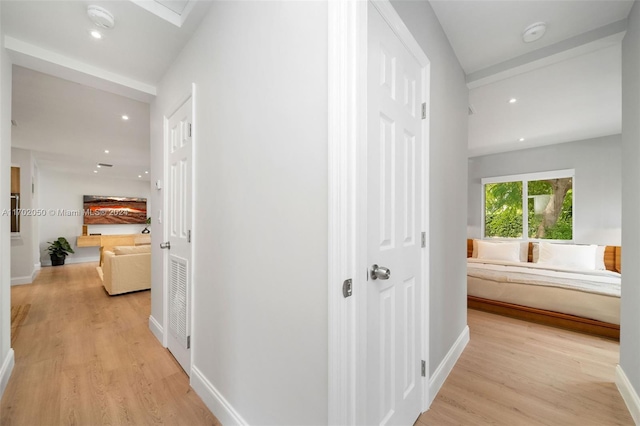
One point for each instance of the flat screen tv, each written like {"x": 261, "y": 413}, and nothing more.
{"x": 107, "y": 210}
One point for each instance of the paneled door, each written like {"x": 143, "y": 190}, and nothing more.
{"x": 178, "y": 266}
{"x": 394, "y": 235}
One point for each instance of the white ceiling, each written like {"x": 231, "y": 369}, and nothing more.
{"x": 568, "y": 83}
{"x": 69, "y": 121}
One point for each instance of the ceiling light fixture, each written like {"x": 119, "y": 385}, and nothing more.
{"x": 139, "y": 176}
{"x": 99, "y": 166}
{"x": 106, "y": 151}
{"x": 534, "y": 32}
{"x": 146, "y": 172}
{"x": 125, "y": 117}
{"x": 95, "y": 34}
{"x": 521, "y": 139}
{"x": 513, "y": 100}
{"x": 95, "y": 171}
{"x": 100, "y": 16}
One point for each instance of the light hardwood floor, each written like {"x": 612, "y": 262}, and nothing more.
{"x": 519, "y": 373}
{"x": 86, "y": 358}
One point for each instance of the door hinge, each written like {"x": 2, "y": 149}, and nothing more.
{"x": 424, "y": 110}
{"x": 189, "y": 236}
{"x": 424, "y": 239}
{"x": 347, "y": 288}
{"x": 189, "y": 129}
{"x": 189, "y": 344}
{"x": 424, "y": 368}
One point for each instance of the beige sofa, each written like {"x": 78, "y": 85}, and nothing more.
{"x": 126, "y": 268}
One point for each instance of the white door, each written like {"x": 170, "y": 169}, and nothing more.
{"x": 395, "y": 191}
{"x": 178, "y": 217}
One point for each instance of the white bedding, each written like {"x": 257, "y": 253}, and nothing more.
{"x": 591, "y": 281}
{"x": 591, "y": 294}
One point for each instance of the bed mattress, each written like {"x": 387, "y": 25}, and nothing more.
{"x": 588, "y": 294}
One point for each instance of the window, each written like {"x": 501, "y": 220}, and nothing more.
{"x": 534, "y": 206}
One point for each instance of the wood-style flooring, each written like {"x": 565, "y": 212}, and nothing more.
{"x": 516, "y": 373}
{"x": 83, "y": 357}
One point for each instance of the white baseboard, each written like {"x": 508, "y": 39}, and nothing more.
{"x": 628, "y": 393}
{"x": 442, "y": 372}
{"x": 214, "y": 400}
{"x": 27, "y": 279}
{"x": 156, "y": 329}
{"x": 21, "y": 280}
{"x": 5, "y": 370}
{"x": 71, "y": 260}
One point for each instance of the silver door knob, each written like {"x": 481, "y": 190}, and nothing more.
{"x": 380, "y": 272}
{"x": 166, "y": 245}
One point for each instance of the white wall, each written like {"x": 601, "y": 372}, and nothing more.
{"x": 24, "y": 262}
{"x": 629, "y": 312}
{"x": 597, "y": 185}
{"x": 64, "y": 191}
{"x": 260, "y": 234}
{"x": 6, "y": 353}
{"x": 448, "y": 181}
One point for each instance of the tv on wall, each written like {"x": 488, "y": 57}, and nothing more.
{"x": 107, "y": 210}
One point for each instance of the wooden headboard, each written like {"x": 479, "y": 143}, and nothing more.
{"x": 612, "y": 255}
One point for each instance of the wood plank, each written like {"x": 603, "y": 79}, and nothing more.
{"x": 85, "y": 358}
{"x": 515, "y": 372}
{"x": 541, "y": 316}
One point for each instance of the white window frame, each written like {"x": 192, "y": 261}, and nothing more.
{"x": 525, "y": 178}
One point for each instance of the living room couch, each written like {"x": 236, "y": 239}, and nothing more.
{"x": 126, "y": 269}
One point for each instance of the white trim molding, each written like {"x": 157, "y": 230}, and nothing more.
{"x": 28, "y": 279}
{"x": 345, "y": 59}
{"x": 5, "y": 370}
{"x": 156, "y": 329}
{"x": 628, "y": 393}
{"x": 214, "y": 400}
{"x": 442, "y": 372}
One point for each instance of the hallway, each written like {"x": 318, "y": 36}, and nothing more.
{"x": 83, "y": 358}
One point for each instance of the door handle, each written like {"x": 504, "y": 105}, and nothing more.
{"x": 380, "y": 272}
{"x": 166, "y": 245}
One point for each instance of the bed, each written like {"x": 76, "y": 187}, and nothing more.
{"x": 576, "y": 296}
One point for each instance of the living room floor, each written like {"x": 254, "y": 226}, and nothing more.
{"x": 84, "y": 357}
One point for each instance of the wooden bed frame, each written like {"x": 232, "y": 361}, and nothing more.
{"x": 612, "y": 258}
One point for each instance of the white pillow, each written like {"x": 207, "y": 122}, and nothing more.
{"x": 524, "y": 249}
{"x": 509, "y": 252}
{"x": 599, "y": 256}
{"x": 567, "y": 255}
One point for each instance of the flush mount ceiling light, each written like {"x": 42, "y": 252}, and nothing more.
{"x": 521, "y": 139}
{"x": 125, "y": 117}
{"x": 513, "y": 100}
{"x": 100, "y": 16}
{"x": 534, "y": 32}
{"x": 95, "y": 34}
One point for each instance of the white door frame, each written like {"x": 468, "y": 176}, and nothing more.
{"x": 347, "y": 25}
{"x": 191, "y": 93}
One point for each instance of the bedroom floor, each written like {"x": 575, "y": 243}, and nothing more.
{"x": 518, "y": 373}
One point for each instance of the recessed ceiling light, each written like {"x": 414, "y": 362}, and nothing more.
{"x": 95, "y": 171}
{"x": 100, "y": 16}
{"x": 513, "y": 100}
{"x": 125, "y": 117}
{"x": 106, "y": 151}
{"x": 96, "y": 34}
{"x": 139, "y": 176}
{"x": 534, "y": 32}
{"x": 146, "y": 172}
{"x": 99, "y": 166}
{"x": 521, "y": 139}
